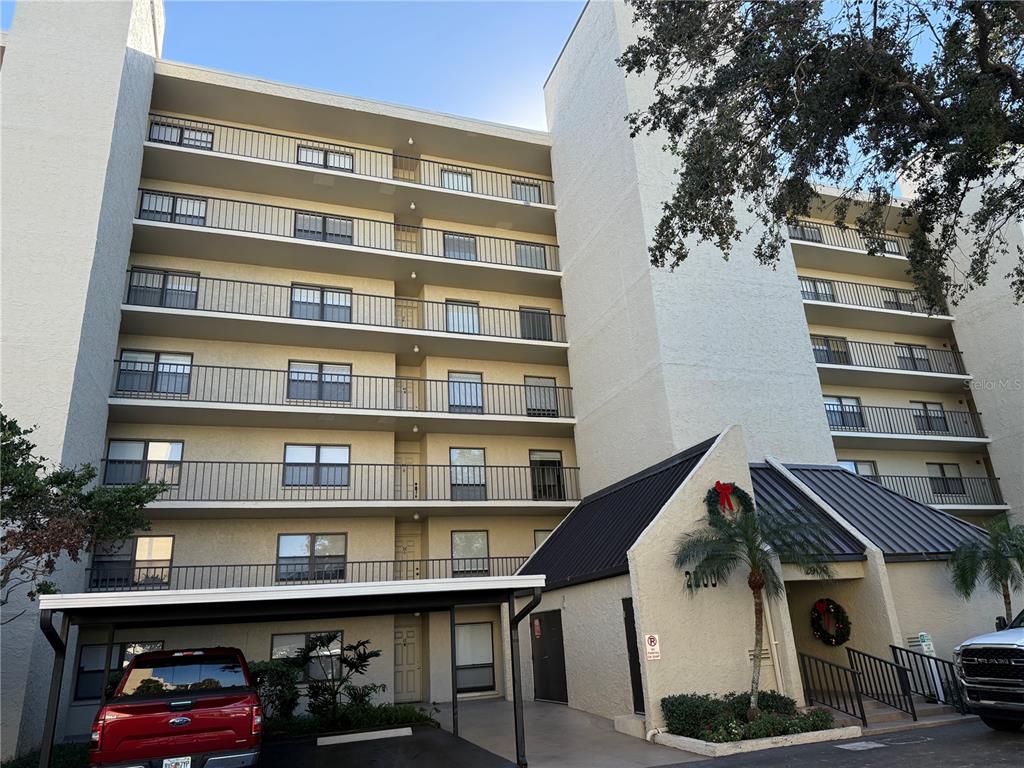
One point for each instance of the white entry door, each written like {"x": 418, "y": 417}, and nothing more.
{"x": 407, "y": 664}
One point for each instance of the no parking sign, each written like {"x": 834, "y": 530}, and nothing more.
{"x": 653, "y": 647}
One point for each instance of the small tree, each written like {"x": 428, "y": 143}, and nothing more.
{"x": 336, "y": 666}
{"x": 998, "y": 562}
{"x": 277, "y": 682}
{"x": 48, "y": 512}
{"x": 745, "y": 540}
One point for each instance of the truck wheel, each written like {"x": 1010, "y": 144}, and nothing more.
{"x": 1002, "y": 725}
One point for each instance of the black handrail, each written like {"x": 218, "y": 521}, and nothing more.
{"x": 304, "y": 152}
{"x": 820, "y": 233}
{"x": 883, "y": 680}
{"x": 832, "y": 685}
{"x": 128, "y": 577}
{"x": 944, "y": 491}
{"x": 337, "y": 229}
{"x": 835, "y": 350}
{"x": 931, "y": 677}
{"x": 831, "y": 291}
{"x": 903, "y": 421}
{"x": 151, "y": 287}
{"x": 280, "y": 481}
{"x": 258, "y": 386}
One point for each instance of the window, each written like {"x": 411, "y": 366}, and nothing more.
{"x": 197, "y": 138}
{"x": 164, "y": 372}
{"x": 457, "y": 246}
{"x": 474, "y": 657}
{"x": 158, "y": 206}
{"x": 311, "y": 556}
{"x": 470, "y": 553}
{"x": 327, "y": 663}
{"x": 830, "y": 349}
{"x": 465, "y": 392}
{"x": 310, "y": 302}
{"x": 162, "y": 288}
{"x": 462, "y": 317}
{"x": 860, "y": 467}
{"x": 894, "y": 298}
{"x": 468, "y": 474}
{"x": 913, "y": 357}
{"x": 181, "y": 674}
{"x": 320, "y": 381}
{"x": 129, "y": 461}
{"x": 330, "y": 229}
{"x": 460, "y": 181}
{"x": 541, "y": 396}
{"x": 335, "y": 161}
{"x": 527, "y": 191}
{"x": 535, "y": 323}
{"x": 140, "y": 560}
{"x": 319, "y": 465}
{"x": 929, "y": 417}
{"x": 812, "y": 289}
{"x": 539, "y": 537}
{"x": 890, "y": 245}
{"x": 807, "y": 232}
{"x": 89, "y": 677}
{"x": 546, "y": 476}
{"x": 533, "y": 255}
{"x": 945, "y": 479}
{"x": 844, "y": 412}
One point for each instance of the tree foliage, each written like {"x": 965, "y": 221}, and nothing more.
{"x": 761, "y": 101}
{"x": 332, "y": 667}
{"x": 997, "y": 562}
{"x": 48, "y": 512}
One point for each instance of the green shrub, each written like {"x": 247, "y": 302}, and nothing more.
{"x": 64, "y": 756}
{"x": 689, "y": 714}
{"x": 349, "y": 718}
{"x": 277, "y": 682}
{"x": 724, "y": 718}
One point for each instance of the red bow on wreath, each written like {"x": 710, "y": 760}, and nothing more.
{"x": 724, "y": 495}
{"x": 821, "y": 607}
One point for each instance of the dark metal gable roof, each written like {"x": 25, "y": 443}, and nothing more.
{"x": 902, "y": 528}
{"x": 776, "y": 495}
{"x": 592, "y": 542}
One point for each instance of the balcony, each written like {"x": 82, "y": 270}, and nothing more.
{"x": 221, "y": 229}
{"x": 277, "y": 485}
{"x": 217, "y": 155}
{"x": 183, "y": 304}
{"x": 948, "y": 493}
{"x": 125, "y": 577}
{"x": 869, "y": 364}
{"x": 817, "y": 245}
{"x": 873, "y": 307}
{"x": 223, "y": 396}
{"x": 868, "y": 426}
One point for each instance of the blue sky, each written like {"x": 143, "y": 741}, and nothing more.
{"x": 486, "y": 60}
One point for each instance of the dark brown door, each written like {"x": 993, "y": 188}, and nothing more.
{"x": 548, "y": 657}
{"x": 633, "y": 654}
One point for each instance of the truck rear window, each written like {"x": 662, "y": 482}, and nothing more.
{"x": 187, "y": 673}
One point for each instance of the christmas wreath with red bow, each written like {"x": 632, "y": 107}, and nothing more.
{"x": 829, "y": 622}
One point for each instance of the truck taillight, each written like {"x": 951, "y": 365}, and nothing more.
{"x": 96, "y": 737}
{"x": 257, "y": 720}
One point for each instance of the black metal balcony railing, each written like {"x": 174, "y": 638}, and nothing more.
{"x": 278, "y": 481}
{"x": 257, "y": 386}
{"x": 941, "y": 491}
{"x": 321, "y": 226}
{"x": 847, "y": 237}
{"x": 118, "y": 577}
{"x": 863, "y": 295}
{"x": 903, "y": 421}
{"x": 282, "y": 148}
{"x": 833, "y": 350}
{"x": 188, "y": 291}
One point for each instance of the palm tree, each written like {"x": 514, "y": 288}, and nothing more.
{"x": 998, "y": 561}
{"x": 744, "y": 539}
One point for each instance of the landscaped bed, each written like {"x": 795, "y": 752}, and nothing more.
{"x": 348, "y": 720}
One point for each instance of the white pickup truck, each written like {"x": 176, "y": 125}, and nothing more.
{"x": 991, "y": 671}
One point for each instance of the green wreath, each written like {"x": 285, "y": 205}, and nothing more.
{"x": 829, "y": 622}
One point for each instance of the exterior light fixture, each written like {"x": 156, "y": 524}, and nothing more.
{"x": 411, "y": 142}
{"x": 412, "y": 276}
{"x": 412, "y": 206}
{"x": 415, "y": 347}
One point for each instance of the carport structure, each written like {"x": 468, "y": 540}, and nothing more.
{"x": 240, "y": 605}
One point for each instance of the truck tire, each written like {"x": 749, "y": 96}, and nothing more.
{"x": 999, "y": 724}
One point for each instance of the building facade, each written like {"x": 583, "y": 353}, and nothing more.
{"x": 361, "y": 343}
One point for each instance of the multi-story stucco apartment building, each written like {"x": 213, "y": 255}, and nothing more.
{"x": 363, "y": 345}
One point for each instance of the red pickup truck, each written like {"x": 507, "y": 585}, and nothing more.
{"x": 180, "y": 709}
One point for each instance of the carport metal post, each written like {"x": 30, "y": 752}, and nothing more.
{"x": 517, "y": 697}
{"x": 108, "y": 652}
{"x": 59, "y": 643}
{"x": 455, "y": 683}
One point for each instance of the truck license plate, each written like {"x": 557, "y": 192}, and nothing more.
{"x": 178, "y": 762}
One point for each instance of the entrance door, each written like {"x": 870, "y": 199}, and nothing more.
{"x": 408, "y": 671}
{"x": 407, "y": 486}
{"x": 633, "y": 654}
{"x": 407, "y": 556}
{"x": 548, "y": 657}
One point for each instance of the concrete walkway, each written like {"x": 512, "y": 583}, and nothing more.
{"x": 557, "y": 737}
